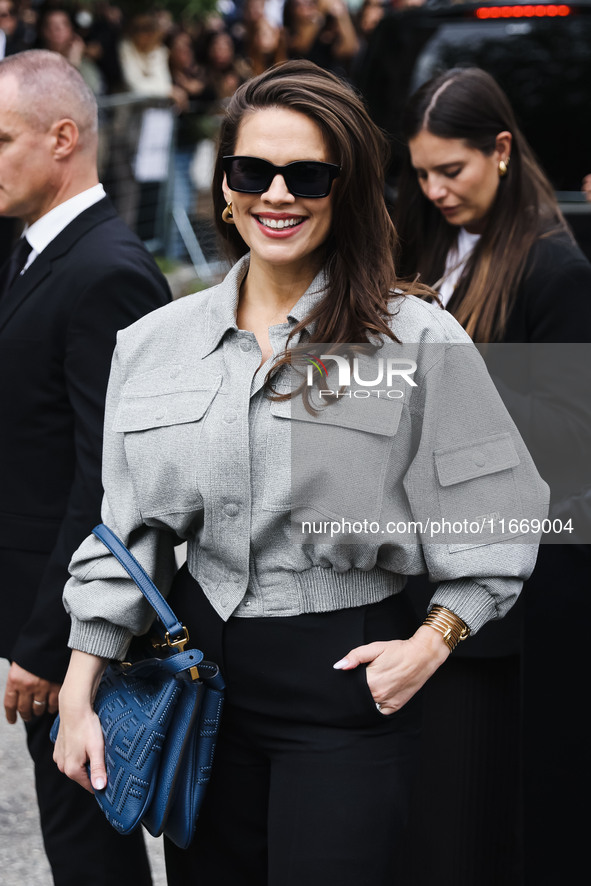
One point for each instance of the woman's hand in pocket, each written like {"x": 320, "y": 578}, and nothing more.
{"x": 396, "y": 669}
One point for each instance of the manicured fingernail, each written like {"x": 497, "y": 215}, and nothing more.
{"x": 341, "y": 664}
{"x": 99, "y": 783}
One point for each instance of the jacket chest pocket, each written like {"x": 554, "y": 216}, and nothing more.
{"x": 334, "y": 463}
{"x": 161, "y": 417}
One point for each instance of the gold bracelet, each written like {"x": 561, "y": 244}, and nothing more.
{"x": 449, "y": 624}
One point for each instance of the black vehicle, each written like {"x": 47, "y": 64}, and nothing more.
{"x": 539, "y": 53}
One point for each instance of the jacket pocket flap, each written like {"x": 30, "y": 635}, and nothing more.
{"x": 469, "y": 460}
{"x": 141, "y": 413}
{"x": 171, "y": 379}
{"x": 372, "y": 415}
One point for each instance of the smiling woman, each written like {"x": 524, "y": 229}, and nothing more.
{"x": 285, "y": 231}
{"x": 317, "y": 745}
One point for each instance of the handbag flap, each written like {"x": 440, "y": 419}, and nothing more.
{"x": 135, "y": 715}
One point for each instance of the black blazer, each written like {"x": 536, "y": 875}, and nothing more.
{"x": 57, "y": 334}
{"x": 553, "y": 304}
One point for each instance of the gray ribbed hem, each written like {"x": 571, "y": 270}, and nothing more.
{"x": 468, "y": 599}
{"x": 323, "y": 590}
{"x": 98, "y": 637}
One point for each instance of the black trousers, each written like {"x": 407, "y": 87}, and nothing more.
{"x": 82, "y": 847}
{"x": 310, "y": 782}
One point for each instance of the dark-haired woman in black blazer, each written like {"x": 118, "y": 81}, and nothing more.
{"x": 477, "y": 218}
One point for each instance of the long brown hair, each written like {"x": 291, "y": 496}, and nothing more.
{"x": 467, "y": 103}
{"x": 359, "y": 253}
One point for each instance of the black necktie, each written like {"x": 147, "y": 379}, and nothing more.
{"x": 14, "y": 265}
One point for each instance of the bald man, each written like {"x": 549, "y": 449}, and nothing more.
{"x": 75, "y": 278}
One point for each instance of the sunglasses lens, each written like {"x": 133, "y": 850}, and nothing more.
{"x": 249, "y": 174}
{"x": 303, "y": 178}
{"x": 309, "y": 179}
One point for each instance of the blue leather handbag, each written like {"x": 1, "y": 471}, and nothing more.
{"x": 160, "y": 715}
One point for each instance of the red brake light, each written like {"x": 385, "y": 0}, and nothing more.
{"x": 538, "y": 10}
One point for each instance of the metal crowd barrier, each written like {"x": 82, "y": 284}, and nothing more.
{"x": 159, "y": 190}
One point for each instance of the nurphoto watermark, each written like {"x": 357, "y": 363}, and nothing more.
{"x": 441, "y": 443}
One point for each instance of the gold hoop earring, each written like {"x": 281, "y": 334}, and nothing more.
{"x": 227, "y": 215}
{"x": 503, "y": 167}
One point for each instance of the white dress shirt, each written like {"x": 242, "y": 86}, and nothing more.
{"x": 45, "y": 229}
{"x": 455, "y": 262}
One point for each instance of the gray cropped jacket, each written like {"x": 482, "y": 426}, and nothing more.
{"x": 195, "y": 451}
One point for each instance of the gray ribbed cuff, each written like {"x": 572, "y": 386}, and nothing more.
{"x": 98, "y": 637}
{"x": 472, "y": 602}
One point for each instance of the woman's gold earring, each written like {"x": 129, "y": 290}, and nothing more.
{"x": 227, "y": 215}
{"x": 503, "y": 167}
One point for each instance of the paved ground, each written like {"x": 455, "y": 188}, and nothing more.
{"x": 22, "y": 859}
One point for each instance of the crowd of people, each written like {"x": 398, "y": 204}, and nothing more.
{"x": 201, "y": 58}
{"x": 196, "y": 62}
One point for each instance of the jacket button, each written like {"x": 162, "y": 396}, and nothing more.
{"x": 231, "y": 509}
{"x": 245, "y": 345}
{"x": 230, "y": 417}
{"x": 479, "y": 459}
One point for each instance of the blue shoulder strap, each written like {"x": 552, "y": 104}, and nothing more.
{"x": 170, "y": 622}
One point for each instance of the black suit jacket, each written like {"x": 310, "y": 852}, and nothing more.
{"x": 58, "y": 326}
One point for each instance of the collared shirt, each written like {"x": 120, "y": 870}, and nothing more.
{"x": 455, "y": 263}
{"x": 221, "y": 315}
{"x": 45, "y": 229}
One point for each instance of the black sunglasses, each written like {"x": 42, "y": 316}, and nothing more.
{"x": 303, "y": 178}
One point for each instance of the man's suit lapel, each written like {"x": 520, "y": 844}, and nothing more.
{"x": 23, "y": 287}
{"x": 29, "y": 282}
